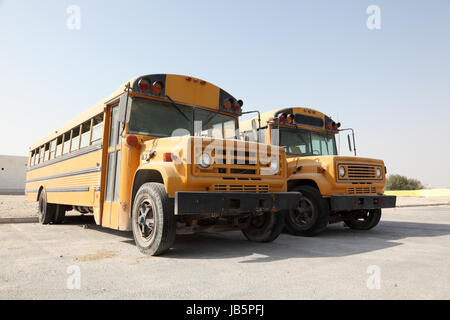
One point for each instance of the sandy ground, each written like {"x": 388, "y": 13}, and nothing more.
{"x": 18, "y": 207}
{"x": 405, "y": 257}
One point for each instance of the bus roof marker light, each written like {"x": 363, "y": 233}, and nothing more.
{"x": 143, "y": 84}
{"x": 237, "y": 106}
{"x": 227, "y": 104}
{"x": 290, "y": 118}
{"x": 157, "y": 87}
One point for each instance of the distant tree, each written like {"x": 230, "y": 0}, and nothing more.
{"x": 398, "y": 182}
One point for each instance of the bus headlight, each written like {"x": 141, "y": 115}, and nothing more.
{"x": 274, "y": 165}
{"x": 341, "y": 171}
{"x": 378, "y": 172}
{"x": 204, "y": 160}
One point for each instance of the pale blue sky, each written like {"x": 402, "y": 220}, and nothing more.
{"x": 392, "y": 85}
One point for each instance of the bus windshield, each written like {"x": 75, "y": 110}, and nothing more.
{"x": 307, "y": 143}
{"x": 161, "y": 119}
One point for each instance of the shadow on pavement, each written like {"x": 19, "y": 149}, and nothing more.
{"x": 336, "y": 241}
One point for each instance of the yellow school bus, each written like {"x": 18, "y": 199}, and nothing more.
{"x": 334, "y": 188}
{"x": 159, "y": 157}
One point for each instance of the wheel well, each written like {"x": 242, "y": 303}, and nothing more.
{"x": 295, "y": 183}
{"x": 143, "y": 176}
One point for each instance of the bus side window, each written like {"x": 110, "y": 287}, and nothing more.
{"x": 47, "y": 151}
{"x": 58, "y": 146}
{"x": 85, "y": 134}
{"x": 36, "y": 157}
{"x": 41, "y": 154}
{"x": 75, "y": 139}
{"x": 52, "y": 149}
{"x": 31, "y": 161}
{"x": 97, "y": 129}
{"x": 66, "y": 145}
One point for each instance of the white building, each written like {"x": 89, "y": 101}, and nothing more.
{"x": 12, "y": 174}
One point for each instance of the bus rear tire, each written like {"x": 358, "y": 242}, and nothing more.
{"x": 153, "y": 222}
{"x": 46, "y": 210}
{"x": 60, "y": 214}
{"x": 368, "y": 221}
{"x": 312, "y": 215}
{"x": 265, "y": 227}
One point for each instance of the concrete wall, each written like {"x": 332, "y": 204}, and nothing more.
{"x": 12, "y": 174}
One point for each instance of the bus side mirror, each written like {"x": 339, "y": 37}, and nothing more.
{"x": 349, "y": 143}
{"x": 255, "y": 130}
{"x": 124, "y": 108}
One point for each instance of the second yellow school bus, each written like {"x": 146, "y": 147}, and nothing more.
{"x": 120, "y": 161}
{"x": 334, "y": 188}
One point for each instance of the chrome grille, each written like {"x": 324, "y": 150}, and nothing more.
{"x": 234, "y": 158}
{"x": 360, "y": 172}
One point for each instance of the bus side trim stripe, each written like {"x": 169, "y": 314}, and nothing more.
{"x": 67, "y": 174}
{"x": 74, "y": 189}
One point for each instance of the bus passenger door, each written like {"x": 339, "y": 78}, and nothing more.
{"x": 111, "y": 203}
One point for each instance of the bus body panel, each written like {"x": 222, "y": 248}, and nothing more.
{"x": 71, "y": 182}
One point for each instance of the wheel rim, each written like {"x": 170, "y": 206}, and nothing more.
{"x": 145, "y": 221}
{"x": 304, "y": 215}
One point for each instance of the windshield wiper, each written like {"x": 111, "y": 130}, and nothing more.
{"x": 178, "y": 108}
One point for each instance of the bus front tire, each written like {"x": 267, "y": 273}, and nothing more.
{"x": 46, "y": 210}
{"x": 367, "y": 221}
{"x": 153, "y": 221}
{"x": 265, "y": 227}
{"x": 312, "y": 215}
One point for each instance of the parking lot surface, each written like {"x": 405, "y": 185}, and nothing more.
{"x": 407, "y": 256}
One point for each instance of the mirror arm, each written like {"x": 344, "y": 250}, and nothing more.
{"x": 259, "y": 116}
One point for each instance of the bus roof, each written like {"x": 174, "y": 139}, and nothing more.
{"x": 182, "y": 89}
{"x": 269, "y": 115}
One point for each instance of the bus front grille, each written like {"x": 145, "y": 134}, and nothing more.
{"x": 233, "y": 158}
{"x": 359, "y": 172}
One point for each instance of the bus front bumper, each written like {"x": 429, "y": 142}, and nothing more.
{"x": 233, "y": 202}
{"x": 348, "y": 203}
